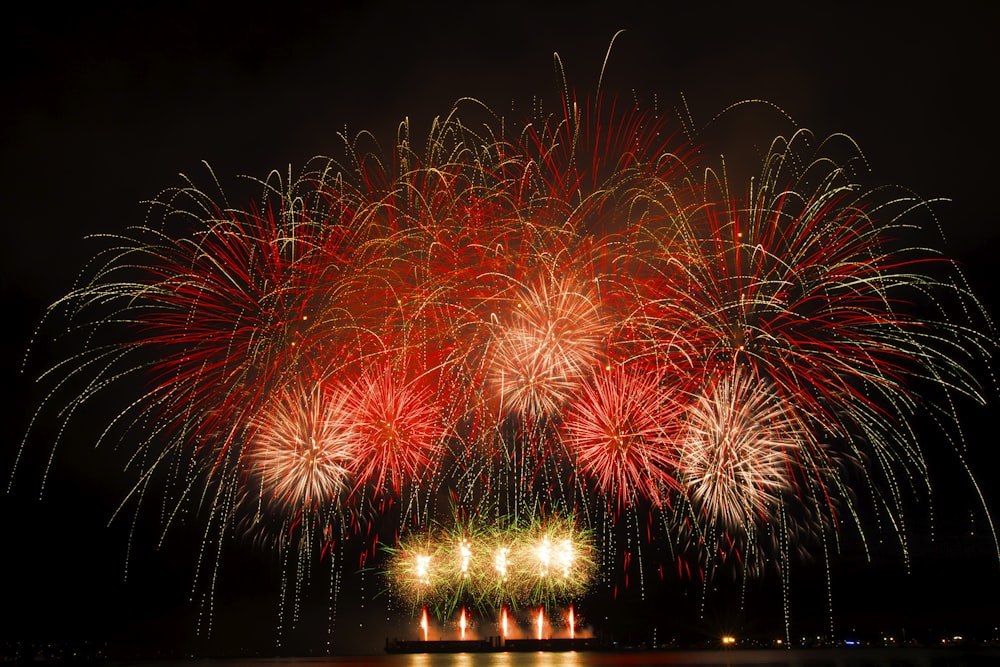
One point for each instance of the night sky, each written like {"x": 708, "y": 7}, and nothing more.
{"x": 104, "y": 107}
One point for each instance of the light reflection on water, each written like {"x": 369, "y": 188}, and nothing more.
{"x": 502, "y": 659}
{"x": 734, "y": 658}
{"x": 756, "y": 658}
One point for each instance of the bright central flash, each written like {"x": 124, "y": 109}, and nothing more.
{"x": 564, "y": 557}
{"x": 500, "y": 562}
{"x": 422, "y": 569}
{"x": 558, "y": 556}
{"x": 465, "y": 552}
{"x": 544, "y": 553}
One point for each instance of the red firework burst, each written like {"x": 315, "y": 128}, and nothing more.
{"x": 232, "y": 314}
{"x": 396, "y": 424}
{"x": 620, "y": 434}
{"x": 808, "y": 285}
{"x": 552, "y": 342}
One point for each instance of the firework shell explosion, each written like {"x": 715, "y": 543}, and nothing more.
{"x": 570, "y": 316}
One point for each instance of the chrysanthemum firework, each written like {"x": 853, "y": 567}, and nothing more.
{"x": 551, "y": 343}
{"x": 304, "y": 449}
{"x": 736, "y": 451}
{"x": 620, "y": 434}
{"x": 394, "y": 424}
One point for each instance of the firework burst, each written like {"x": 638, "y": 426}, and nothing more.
{"x": 304, "y": 449}
{"x": 735, "y": 451}
{"x": 552, "y": 342}
{"x": 620, "y": 433}
{"x": 396, "y": 429}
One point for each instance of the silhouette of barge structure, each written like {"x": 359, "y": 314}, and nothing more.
{"x": 493, "y": 644}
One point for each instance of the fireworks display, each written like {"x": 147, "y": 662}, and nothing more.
{"x": 560, "y": 328}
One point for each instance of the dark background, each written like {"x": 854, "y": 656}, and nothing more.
{"x": 104, "y": 107}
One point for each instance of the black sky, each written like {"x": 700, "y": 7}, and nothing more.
{"x": 104, "y": 107}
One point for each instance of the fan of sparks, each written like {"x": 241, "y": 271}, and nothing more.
{"x": 576, "y": 315}
{"x": 541, "y": 563}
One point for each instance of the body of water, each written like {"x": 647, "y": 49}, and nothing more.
{"x": 840, "y": 657}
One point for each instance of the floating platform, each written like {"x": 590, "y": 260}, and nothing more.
{"x": 492, "y": 644}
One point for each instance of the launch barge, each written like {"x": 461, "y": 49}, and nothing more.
{"x": 491, "y": 644}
